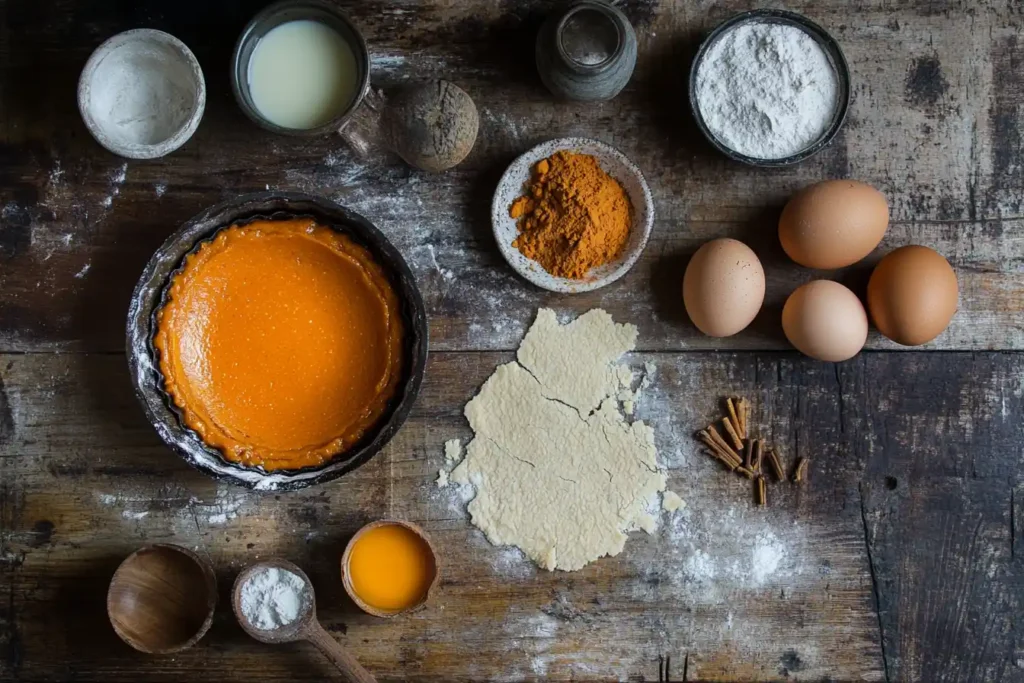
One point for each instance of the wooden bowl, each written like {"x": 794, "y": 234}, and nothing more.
{"x": 161, "y": 599}
{"x": 150, "y": 294}
{"x": 346, "y": 578}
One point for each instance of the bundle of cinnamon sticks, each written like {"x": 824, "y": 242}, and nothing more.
{"x": 745, "y": 455}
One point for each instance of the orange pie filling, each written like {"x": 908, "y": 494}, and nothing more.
{"x": 281, "y": 343}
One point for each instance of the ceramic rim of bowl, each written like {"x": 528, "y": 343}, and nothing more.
{"x": 346, "y": 578}
{"x": 829, "y": 45}
{"x": 150, "y": 294}
{"x": 140, "y": 150}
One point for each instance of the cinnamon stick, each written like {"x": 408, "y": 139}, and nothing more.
{"x": 800, "y": 475}
{"x": 721, "y": 442}
{"x": 762, "y": 492}
{"x": 773, "y": 460}
{"x": 736, "y": 441}
{"x": 758, "y": 454}
{"x": 731, "y": 407}
{"x": 717, "y": 452}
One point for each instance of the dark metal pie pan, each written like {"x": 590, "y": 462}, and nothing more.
{"x": 150, "y": 295}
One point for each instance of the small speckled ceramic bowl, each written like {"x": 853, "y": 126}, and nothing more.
{"x": 615, "y": 164}
{"x": 142, "y": 94}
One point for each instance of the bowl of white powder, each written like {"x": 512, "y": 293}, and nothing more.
{"x": 142, "y": 94}
{"x": 770, "y": 88}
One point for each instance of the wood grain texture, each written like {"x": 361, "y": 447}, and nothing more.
{"x": 933, "y": 124}
{"x": 899, "y": 560}
{"x": 85, "y": 481}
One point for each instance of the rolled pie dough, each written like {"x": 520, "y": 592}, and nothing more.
{"x": 557, "y": 469}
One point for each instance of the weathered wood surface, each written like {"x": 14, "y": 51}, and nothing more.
{"x": 917, "y": 454}
{"x": 902, "y": 556}
{"x": 934, "y": 123}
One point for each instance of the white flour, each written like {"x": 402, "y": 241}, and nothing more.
{"x": 272, "y": 598}
{"x": 768, "y": 553}
{"x": 142, "y": 94}
{"x": 767, "y": 90}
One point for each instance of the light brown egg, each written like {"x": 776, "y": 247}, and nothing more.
{"x": 912, "y": 295}
{"x": 825, "y": 320}
{"x": 833, "y": 224}
{"x": 723, "y": 287}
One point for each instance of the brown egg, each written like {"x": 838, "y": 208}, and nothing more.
{"x": 825, "y": 320}
{"x": 833, "y": 224}
{"x": 912, "y": 295}
{"x": 723, "y": 287}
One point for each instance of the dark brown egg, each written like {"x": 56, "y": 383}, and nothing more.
{"x": 913, "y": 295}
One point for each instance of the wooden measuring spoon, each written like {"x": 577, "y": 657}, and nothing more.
{"x": 305, "y": 627}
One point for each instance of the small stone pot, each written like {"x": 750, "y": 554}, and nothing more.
{"x": 586, "y": 53}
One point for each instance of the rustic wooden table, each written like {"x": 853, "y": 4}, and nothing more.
{"x": 900, "y": 560}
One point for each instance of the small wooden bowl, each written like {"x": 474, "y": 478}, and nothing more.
{"x": 346, "y": 579}
{"x": 161, "y": 599}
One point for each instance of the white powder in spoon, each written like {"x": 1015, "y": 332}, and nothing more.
{"x": 273, "y": 598}
{"x": 767, "y": 90}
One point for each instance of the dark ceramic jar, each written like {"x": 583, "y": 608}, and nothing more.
{"x": 587, "y": 52}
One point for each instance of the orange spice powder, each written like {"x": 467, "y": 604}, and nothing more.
{"x": 573, "y": 216}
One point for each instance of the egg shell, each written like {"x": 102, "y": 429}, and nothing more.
{"x": 912, "y": 295}
{"x": 723, "y": 287}
{"x": 833, "y": 224}
{"x": 825, "y": 320}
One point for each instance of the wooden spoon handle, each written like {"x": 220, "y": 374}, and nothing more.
{"x": 332, "y": 649}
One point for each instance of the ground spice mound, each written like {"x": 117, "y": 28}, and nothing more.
{"x": 573, "y": 216}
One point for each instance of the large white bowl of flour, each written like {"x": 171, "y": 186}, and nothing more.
{"x": 770, "y": 88}
{"x": 142, "y": 94}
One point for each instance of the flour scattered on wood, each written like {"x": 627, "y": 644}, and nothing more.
{"x": 716, "y": 551}
{"x": 510, "y": 562}
{"x": 116, "y": 180}
{"x": 160, "y": 189}
{"x": 83, "y": 272}
{"x": 56, "y": 176}
{"x": 186, "y": 511}
{"x": 556, "y": 469}
{"x": 386, "y": 62}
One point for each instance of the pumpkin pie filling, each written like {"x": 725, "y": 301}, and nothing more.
{"x": 280, "y": 342}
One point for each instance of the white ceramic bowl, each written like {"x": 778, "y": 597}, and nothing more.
{"x": 614, "y": 164}
{"x": 142, "y": 94}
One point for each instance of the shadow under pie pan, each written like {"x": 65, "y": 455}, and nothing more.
{"x": 150, "y": 295}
